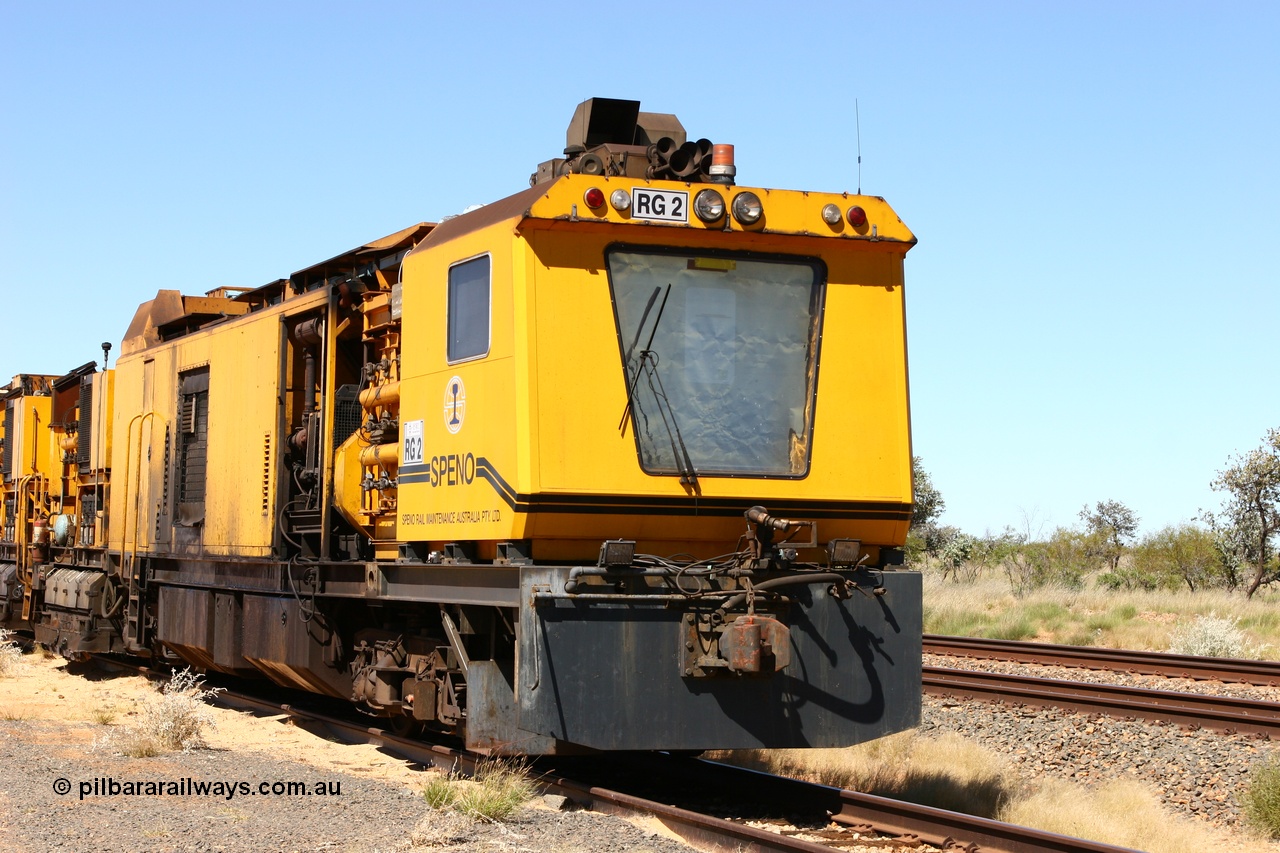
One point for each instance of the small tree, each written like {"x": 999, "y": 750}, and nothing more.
{"x": 1175, "y": 555}
{"x": 1111, "y": 525}
{"x": 924, "y": 537}
{"x": 955, "y": 553}
{"x": 1027, "y": 567}
{"x": 1192, "y": 554}
{"x": 1061, "y": 560}
{"x": 1250, "y": 518}
{"x": 928, "y": 500}
{"x": 1147, "y": 568}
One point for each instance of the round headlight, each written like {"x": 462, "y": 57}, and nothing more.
{"x": 831, "y": 214}
{"x": 620, "y": 199}
{"x": 857, "y": 216}
{"x": 709, "y": 205}
{"x": 747, "y": 208}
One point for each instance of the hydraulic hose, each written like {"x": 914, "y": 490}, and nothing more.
{"x": 774, "y": 583}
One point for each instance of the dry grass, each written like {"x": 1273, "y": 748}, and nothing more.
{"x": 1122, "y": 812}
{"x": 157, "y": 832}
{"x": 496, "y": 791}
{"x": 953, "y": 773}
{"x": 174, "y": 720}
{"x": 441, "y": 829}
{"x": 947, "y": 772}
{"x": 103, "y": 715}
{"x": 1098, "y": 617}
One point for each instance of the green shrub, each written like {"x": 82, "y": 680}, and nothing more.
{"x": 914, "y": 547}
{"x": 1177, "y": 556}
{"x": 1112, "y": 581}
{"x": 1080, "y": 638}
{"x": 962, "y": 623}
{"x": 494, "y": 793}
{"x": 1047, "y": 611}
{"x": 1010, "y": 628}
{"x": 1101, "y": 622}
{"x": 1062, "y": 561}
{"x": 1262, "y": 797}
{"x": 1265, "y": 621}
{"x": 1125, "y": 612}
{"x": 440, "y": 792}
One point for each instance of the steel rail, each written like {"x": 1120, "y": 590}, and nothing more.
{"x": 1223, "y": 713}
{"x": 1237, "y": 670}
{"x": 690, "y": 825}
{"x": 947, "y": 829}
{"x": 904, "y": 822}
{"x": 855, "y": 810}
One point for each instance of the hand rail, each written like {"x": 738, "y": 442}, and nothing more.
{"x": 129, "y": 475}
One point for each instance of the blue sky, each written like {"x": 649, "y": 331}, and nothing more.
{"x": 1092, "y": 306}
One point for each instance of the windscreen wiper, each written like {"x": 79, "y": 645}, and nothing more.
{"x": 635, "y": 380}
{"x": 648, "y": 366}
{"x": 681, "y": 453}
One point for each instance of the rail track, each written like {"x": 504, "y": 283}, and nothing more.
{"x": 1265, "y": 673}
{"x": 752, "y": 792}
{"x": 1222, "y": 713}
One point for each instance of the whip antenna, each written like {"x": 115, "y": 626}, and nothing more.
{"x": 858, "y": 124}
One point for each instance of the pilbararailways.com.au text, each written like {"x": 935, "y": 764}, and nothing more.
{"x": 227, "y": 789}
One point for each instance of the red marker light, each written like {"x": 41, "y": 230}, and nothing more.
{"x": 594, "y": 198}
{"x": 857, "y": 217}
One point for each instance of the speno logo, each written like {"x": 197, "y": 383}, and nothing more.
{"x": 455, "y": 404}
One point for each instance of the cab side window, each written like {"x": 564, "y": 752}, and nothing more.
{"x": 469, "y": 298}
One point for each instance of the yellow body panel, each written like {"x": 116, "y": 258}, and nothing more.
{"x": 104, "y": 385}
{"x": 523, "y": 441}
{"x": 785, "y": 211}
{"x": 243, "y": 362}
{"x": 33, "y": 452}
{"x": 453, "y": 502}
{"x": 542, "y": 409}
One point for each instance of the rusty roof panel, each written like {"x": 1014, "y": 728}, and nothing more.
{"x": 401, "y": 239}
{"x": 511, "y": 207}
